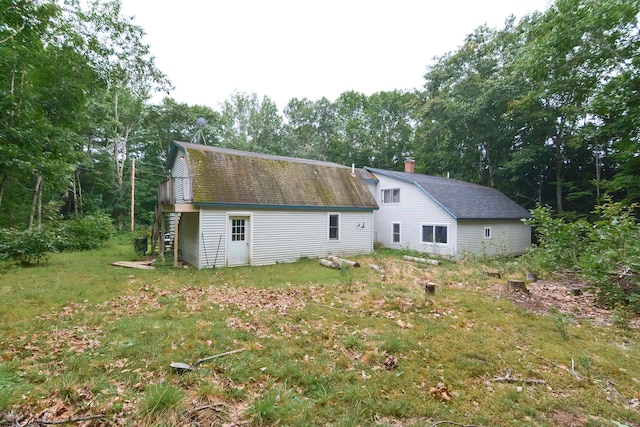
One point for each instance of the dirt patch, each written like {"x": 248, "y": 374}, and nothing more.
{"x": 566, "y": 297}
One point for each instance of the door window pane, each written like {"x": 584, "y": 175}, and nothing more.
{"x": 237, "y": 230}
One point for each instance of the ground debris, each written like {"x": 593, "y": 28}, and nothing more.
{"x": 547, "y": 294}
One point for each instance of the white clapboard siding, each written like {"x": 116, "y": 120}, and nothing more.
{"x": 180, "y": 173}
{"x": 414, "y": 210}
{"x": 213, "y": 230}
{"x": 507, "y": 237}
{"x": 281, "y": 235}
{"x": 188, "y": 239}
{"x": 285, "y": 236}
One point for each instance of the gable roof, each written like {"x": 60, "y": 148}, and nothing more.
{"x": 461, "y": 200}
{"x": 226, "y": 177}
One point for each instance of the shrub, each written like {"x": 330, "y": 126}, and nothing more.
{"x": 611, "y": 260}
{"x": 84, "y": 233}
{"x": 560, "y": 244}
{"x": 29, "y": 247}
{"x": 605, "y": 253}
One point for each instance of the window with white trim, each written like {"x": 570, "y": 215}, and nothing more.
{"x": 390, "y": 195}
{"x": 487, "y": 232}
{"x": 334, "y": 227}
{"x": 434, "y": 234}
{"x": 395, "y": 232}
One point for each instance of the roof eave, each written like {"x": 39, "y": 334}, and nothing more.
{"x": 293, "y": 207}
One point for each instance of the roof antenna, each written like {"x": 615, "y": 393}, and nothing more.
{"x": 201, "y": 122}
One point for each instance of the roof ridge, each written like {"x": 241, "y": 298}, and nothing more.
{"x": 233, "y": 151}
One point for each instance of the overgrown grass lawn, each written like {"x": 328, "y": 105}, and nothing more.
{"x": 80, "y": 338}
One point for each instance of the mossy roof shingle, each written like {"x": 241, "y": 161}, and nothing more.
{"x": 222, "y": 176}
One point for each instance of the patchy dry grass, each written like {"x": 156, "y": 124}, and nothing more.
{"x": 80, "y": 338}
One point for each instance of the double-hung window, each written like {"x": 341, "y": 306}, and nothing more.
{"x": 434, "y": 234}
{"x": 395, "y": 232}
{"x": 390, "y": 195}
{"x": 334, "y": 227}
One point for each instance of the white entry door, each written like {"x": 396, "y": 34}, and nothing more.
{"x": 238, "y": 243}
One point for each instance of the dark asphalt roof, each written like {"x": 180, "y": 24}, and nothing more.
{"x": 462, "y": 200}
{"x": 222, "y": 176}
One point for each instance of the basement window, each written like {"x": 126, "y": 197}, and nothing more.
{"x": 434, "y": 234}
{"x": 391, "y": 195}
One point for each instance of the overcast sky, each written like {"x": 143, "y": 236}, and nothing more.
{"x": 306, "y": 48}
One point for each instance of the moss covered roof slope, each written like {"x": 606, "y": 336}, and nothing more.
{"x": 222, "y": 176}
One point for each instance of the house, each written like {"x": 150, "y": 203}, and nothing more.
{"x": 236, "y": 208}
{"x": 442, "y": 216}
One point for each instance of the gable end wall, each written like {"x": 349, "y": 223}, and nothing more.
{"x": 414, "y": 210}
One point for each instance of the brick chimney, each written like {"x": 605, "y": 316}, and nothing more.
{"x": 409, "y": 165}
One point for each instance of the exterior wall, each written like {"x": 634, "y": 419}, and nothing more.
{"x": 507, "y": 237}
{"x": 182, "y": 188}
{"x": 286, "y": 235}
{"x": 414, "y": 210}
{"x": 213, "y": 226}
{"x": 189, "y": 237}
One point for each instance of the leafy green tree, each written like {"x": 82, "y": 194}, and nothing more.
{"x": 392, "y": 123}
{"x": 309, "y": 127}
{"x": 468, "y": 94}
{"x": 570, "y": 55}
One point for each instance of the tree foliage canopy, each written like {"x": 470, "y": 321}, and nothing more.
{"x": 547, "y": 109}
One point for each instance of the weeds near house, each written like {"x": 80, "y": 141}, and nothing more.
{"x": 80, "y": 337}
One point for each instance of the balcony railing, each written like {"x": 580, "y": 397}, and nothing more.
{"x": 175, "y": 190}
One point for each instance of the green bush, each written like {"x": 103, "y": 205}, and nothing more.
{"x": 605, "y": 253}
{"x": 84, "y": 233}
{"x": 560, "y": 244}
{"x": 29, "y": 247}
{"x": 611, "y": 260}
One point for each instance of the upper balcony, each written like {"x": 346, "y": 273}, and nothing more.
{"x": 175, "y": 191}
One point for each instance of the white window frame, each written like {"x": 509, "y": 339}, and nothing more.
{"x": 433, "y": 233}
{"x": 393, "y": 232}
{"x": 487, "y": 232}
{"x": 391, "y": 192}
{"x": 329, "y": 227}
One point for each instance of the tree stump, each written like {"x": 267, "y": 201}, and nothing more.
{"x": 517, "y": 286}
{"x": 576, "y": 291}
{"x": 495, "y": 274}
{"x": 430, "y": 288}
{"x": 531, "y": 277}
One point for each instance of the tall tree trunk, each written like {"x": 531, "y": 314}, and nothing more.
{"x": 3, "y": 184}
{"x": 34, "y": 200}
{"x": 558, "y": 159}
{"x": 40, "y": 204}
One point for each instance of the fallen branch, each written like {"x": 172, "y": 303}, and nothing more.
{"x": 71, "y": 420}
{"x": 329, "y": 264}
{"x": 422, "y": 260}
{"x": 344, "y": 261}
{"x": 508, "y": 379}
{"x": 380, "y": 270}
{"x": 564, "y": 368}
{"x": 454, "y": 424}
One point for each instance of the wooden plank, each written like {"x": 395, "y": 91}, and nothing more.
{"x": 142, "y": 265}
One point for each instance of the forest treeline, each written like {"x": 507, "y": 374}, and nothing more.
{"x": 546, "y": 109}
